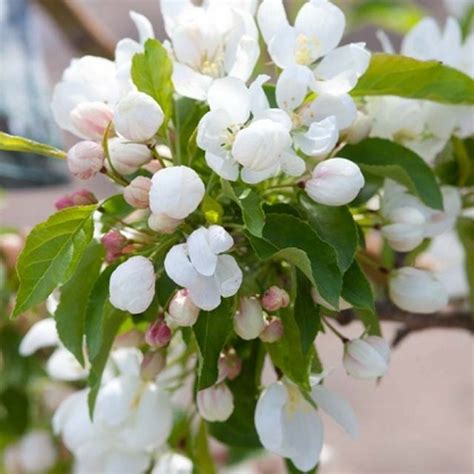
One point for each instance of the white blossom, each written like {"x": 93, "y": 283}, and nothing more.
{"x": 182, "y": 311}
{"x": 137, "y": 193}
{"x": 335, "y": 182}
{"x": 289, "y": 426}
{"x": 215, "y": 403}
{"x": 201, "y": 266}
{"x": 416, "y": 290}
{"x": 406, "y": 229}
{"x": 173, "y": 463}
{"x": 132, "y": 285}
{"x": 163, "y": 223}
{"x": 249, "y": 321}
{"x": 91, "y": 119}
{"x": 127, "y": 157}
{"x": 366, "y": 358}
{"x": 85, "y": 159}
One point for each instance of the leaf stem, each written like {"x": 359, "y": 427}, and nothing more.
{"x": 343, "y": 338}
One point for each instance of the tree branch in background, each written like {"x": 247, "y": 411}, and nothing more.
{"x": 454, "y": 318}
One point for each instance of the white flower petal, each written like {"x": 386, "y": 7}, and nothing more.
{"x": 228, "y": 275}
{"x": 342, "y": 107}
{"x": 258, "y": 98}
{"x": 245, "y": 59}
{"x": 230, "y": 94}
{"x": 144, "y": 27}
{"x": 292, "y": 164}
{"x": 282, "y": 47}
{"x": 190, "y": 83}
{"x": 178, "y": 267}
{"x": 122, "y": 460}
{"x": 225, "y": 167}
{"x": 212, "y": 132}
{"x": 41, "y": 334}
{"x": 292, "y": 87}
{"x": 219, "y": 239}
{"x": 253, "y": 177}
{"x": 203, "y": 259}
{"x": 271, "y": 18}
{"x": 320, "y": 138}
{"x": 205, "y": 292}
{"x": 62, "y": 365}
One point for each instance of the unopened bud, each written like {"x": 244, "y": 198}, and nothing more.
{"x": 416, "y": 291}
{"x": 366, "y": 358}
{"x": 273, "y": 331}
{"x": 163, "y": 224}
{"x": 138, "y": 117}
{"x": 128, "y": 157}
{"x": 91, "y": 119}
{"x": 407, "y": 229}
{"x": 230, "y": 366}
{"x": 182, "y": 311}
{"x": 153, "y": 363}
{"x": 137, "y": 193}
{"x": 153, "y": 167}
{"x": 158, "y": 334}
{"x": 85, "y": 159}
{"x": 248, "y": 321}
{"x": 77, "y": 198}
{"x": 275, "y": 298}
{"x": 335, "y": 182}
{"x": 114, "y": 242}
{"x": 215, "y": 403}
{"x": 360, "y": 129}
{"x": 10, "y": 248}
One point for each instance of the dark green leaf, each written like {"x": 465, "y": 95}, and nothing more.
{"x": 212, "y": 330}
{"x": 71, "y": 312}
{"x": 165, "y": 287}
{"x": 14, "y": 143}
{"x": 14, "y": 411}
{"x": 407, "y": 77}
{"x": 380, "y": 157}
{"x": 51, "y": 253}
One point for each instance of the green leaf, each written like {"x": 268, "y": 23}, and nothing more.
{"x": 465, "y": 227}
{"x": 51, "y": 254}
{"x": 295, "y": 241}
{"x": 202, "y": 457}
{"x": 380, "y": 157}
{"x": 103, "y": 322}
{"x": 252, "y": 213}
{"x": 336, "y": 227}
{"x": 151, "y": 73}
{"x": 112, "y": 209}
{"x": 407, "y": 77}
{"x": 70, "y": 315}
{"x": 212, "y": 330}
{"x": 14, "y": 143}
{"x": 306, "y": 313}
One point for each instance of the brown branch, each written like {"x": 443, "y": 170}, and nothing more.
{"x": 411, "y": 322}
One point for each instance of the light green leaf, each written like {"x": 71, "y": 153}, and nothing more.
{"x": 151, "y": 73}
{"x": 70, "y": 315}
{"x": 14, "y": 143}
{"x": 51, "y": 254}
{"x": 252, "y": 214}
{"x": 407, "y": 77}
{"x": 380, "y": 157}
{"x": 212, "y": 330}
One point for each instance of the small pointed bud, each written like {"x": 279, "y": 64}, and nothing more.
{"x": 360, "y": 129}
{"x": 132, "y": 285}
{"x": 230, "y": 366}
{"x": 416, "y": 291}
{"x": 275, "y": 298}
{"x": 138, "y": 117}
{"x": 366, "y": 358}
{"x": 153, "y": 363}
{"x": 137, "y": 193}
{"x": 182, "y": 311}
{"x": 158, "y": 334}
{"x": 10, "y": 248}
{"x": 114, "y": 242}
{"x": 77, "y": 198}
{"x": 215, "y": 403}
{"x": 335, "y": 182}
{"x": 91, "y": 119}
{"x": 128, "y": 157}
{"x": 273, "y": 331}
{"x": 85, "y": 159}
{"x": 406, "y": 230}
{"x": 163, "y": 224}
{"x": 249, "y": 321}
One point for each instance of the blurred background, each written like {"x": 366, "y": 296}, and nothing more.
{"x": 420, "y": 418}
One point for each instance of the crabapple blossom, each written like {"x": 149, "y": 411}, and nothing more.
{"x": 208, "y": 43}
{"x": 335, "y": 182}
{"x": 215, "y": 403}
{"x": 163, "y": 223}
{"x": 248, "y": 320}
{"x": 82, "y": 197}
{"x": 158, "y": 334}
{"x": 138, "y": 117}
{"x": 132, "y": 285}
{"x": 176, "y": 192}
{"x": 366, "y": 358}
{"x": 203, "y": 269}
{"x": 85, "y": 159}
{"x": 288, "y": 425}
{"x": 173, "y": 463}
{"x": 275, "y": 298}
{"x": 127, "y": 157}
{"x": 406, "y": 229}
{"x": 182, "y": 311}
{"x": 416, "y": 290}
{"x": 10, "y": 248}
{"x": 91, "y": 119}
{"x": 137, "y": 193}
{"x": 359, "y": 130}
{"x": 273, "y": 331}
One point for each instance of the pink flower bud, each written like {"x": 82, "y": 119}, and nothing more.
{"x": 215, "y": 403}
{"x": 114, "y": 242}
{"x": 163, "y": 223}
{"x": 137, "y": 193}
{"x": 158, "y": 334}
{"x": 275, "y": 298}
{"x": 273, "y": 331}
{"x": 153, "y": 363}
{"x": 230, "y": 366}
{"x": 85, "y": 159}
{"x": 182, "y": 311}
{"x": 152, "y": 167}
{"x": 91, "y": 119}
{"x": 248, "y": 321}
{"x": 77, "y": 198}
{"x": 10, "y": 248}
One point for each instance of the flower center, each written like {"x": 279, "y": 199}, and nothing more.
{"x": 213, "y": 65}
{"x": 305, "y": 49}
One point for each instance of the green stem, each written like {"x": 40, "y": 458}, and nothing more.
{"x": 343, "y": 338}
